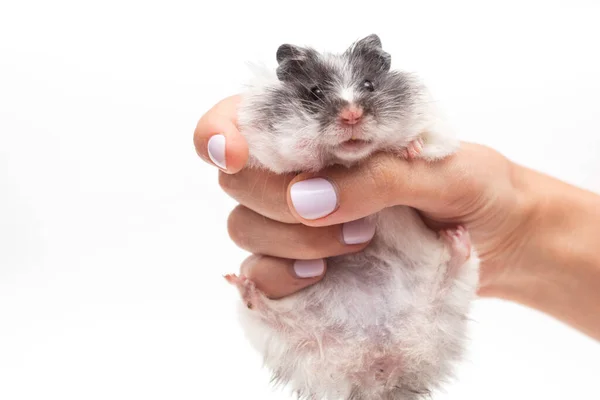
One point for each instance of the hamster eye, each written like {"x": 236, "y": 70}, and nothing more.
{"x": 316, "y": 92}
{"x": 368, "y": 85}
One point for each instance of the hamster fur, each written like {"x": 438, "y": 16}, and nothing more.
{"x": 389, "y": 322}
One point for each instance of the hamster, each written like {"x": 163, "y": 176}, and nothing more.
{"x": 389, "y": 322}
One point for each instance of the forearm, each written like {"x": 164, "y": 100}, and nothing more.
{"x": 558, "y": 262}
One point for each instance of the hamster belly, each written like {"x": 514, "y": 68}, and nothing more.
{"x": 385, "y": 323}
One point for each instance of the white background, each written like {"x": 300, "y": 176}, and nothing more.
{"x": 112, "y": 231}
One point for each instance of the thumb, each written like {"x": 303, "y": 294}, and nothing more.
{"x": 339, "y": 194}
{"x": 218, "y": 140}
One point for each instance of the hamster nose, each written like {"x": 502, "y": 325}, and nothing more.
{"x": 351, "y": 115}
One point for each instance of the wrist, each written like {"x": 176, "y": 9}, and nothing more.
{"x": 554, "y": 265}
{"x": 509, "y": 264}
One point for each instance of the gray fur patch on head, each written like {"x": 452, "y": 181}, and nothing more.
{"x": 292, "y": 61}
{"x": 290, "y": 51}
{"x": 318, "y": 80}
{"x": 369, "y": 50}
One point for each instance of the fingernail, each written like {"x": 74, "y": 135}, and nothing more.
{"x": 359, "y": 231}
{"x": 216, "y": 150}
{"x": 309, "y": 268}
{"x": 313, "y": 198}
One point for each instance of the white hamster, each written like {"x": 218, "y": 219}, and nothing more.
{"x": 389, "y": 322}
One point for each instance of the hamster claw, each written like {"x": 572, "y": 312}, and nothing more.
{"x": 246, "y": 287}
{"x": 413, "y": 149}
{"x": 460, "y": 246}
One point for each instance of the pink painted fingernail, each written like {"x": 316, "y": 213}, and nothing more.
{"x": 359, "y": 231}
{"x": 216, "y": 151}
{"x": 309, "y": 268}
{"x": 313, "y": 198}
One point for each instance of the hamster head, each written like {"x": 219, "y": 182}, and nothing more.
{"x": 322, "y": 108}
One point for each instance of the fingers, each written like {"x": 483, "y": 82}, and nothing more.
{"x": 218, "y": 140}
{"x": 260, "y": 191}
{"x": 278, "y": 277}
{"x": 292, "y": 256}
{"x": 260, "y": 235}
{"x": 339, "y": 194}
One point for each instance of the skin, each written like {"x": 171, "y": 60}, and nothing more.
{"x": 536, "y": 236}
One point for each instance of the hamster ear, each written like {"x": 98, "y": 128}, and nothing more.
{"x": 291, "y": 59}
{"x": 290, "y": 52}
{"x": 369, "y": 50}
{"x": 371, "y": 41}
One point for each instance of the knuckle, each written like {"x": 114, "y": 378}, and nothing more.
{"x": 235, "y": 227}
{"x": 250, "y": 265}
{"x": 238, "y": 186}
{"x": 310, "y": 249}
{"x": 228, "y": 183}
{"x": 317, "y": 242}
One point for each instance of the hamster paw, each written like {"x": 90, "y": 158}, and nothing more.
{"x": 460, "y": 246}
{"x": 413, "y": 149}
{"x": 247, "y": 289}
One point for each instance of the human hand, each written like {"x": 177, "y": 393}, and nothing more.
{"x": 476, "y": 187}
